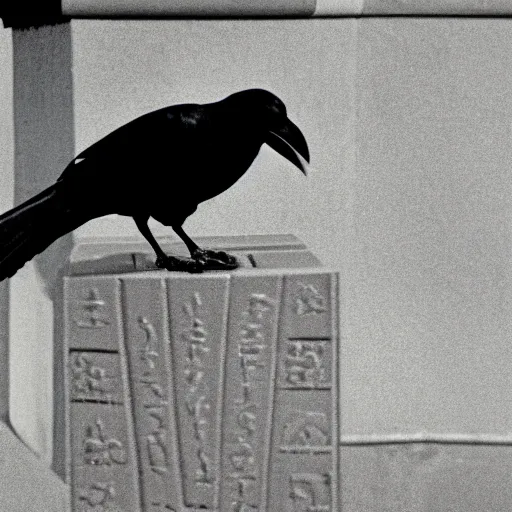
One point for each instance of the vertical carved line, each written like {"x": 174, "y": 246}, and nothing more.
{"x": 172, "y": 387}
{"x": 64, "y": 435}
{"x": 127, "y": 379}
{"x": 174, "y": 443}
{"x": 272, "y": 395}
{"x": 335, "y": 391}
{"x": 222, "y": 389}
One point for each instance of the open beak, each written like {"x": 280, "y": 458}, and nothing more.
{"x": 289, "y": 142}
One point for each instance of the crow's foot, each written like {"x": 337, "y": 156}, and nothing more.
{"x": 179, "y": 264}
{"x": 214, "y": 260}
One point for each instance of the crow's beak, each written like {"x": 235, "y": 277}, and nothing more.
{"x": 289, "y": 142}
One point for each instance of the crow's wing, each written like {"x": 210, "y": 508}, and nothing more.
{"x": 168, "y": 129}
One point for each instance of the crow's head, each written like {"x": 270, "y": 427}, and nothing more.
{"x": 268, "y": 113}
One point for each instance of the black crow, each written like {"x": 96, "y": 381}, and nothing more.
{"x": 160, "y": 165}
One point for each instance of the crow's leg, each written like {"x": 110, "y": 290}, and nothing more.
{"x": 206, "y": 257}
{"x": 164, "y": 260}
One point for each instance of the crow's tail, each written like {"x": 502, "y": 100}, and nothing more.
{"x": 30, "y": 228}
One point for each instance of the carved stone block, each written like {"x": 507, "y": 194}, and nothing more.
{"x": 213, "y": 392}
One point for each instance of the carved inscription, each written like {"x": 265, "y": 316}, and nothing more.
{"x": 95, "y": 377}
{"x": 147, "y": 348}
{"x": 154, "y": 396}
{"x": 156, "y": 442}
{"x": 100, "y": 497}
{"x": 195, "y": 336}
{"x": 305, "y": 364}
{"x": 244, "y": 466}
{"x": 88, "y": 379}
{"x": 304, "y": 449}
{"x": 98, "y": 449}
{"x": 92, "y": 314}
{"x": 309, "y": 301}
{"x": 154, "y": 400}
{"x": 310, "y": 492}
{"x": 148, "y": 353}
{"x": 306, "y": 432}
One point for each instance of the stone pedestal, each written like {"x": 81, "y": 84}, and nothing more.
{"x": 210, "y": 392}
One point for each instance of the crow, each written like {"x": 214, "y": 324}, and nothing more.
{"x": 160, "y": 165}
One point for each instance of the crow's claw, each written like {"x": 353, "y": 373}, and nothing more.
{"x": 179, "y": 264}
{"x": 215, "y": 260}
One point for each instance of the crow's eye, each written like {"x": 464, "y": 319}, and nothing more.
{"x": 278, "y": 108}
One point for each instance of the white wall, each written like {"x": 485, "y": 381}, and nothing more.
{"x": 429, "y": 321}
{"x": 6, "y": 134}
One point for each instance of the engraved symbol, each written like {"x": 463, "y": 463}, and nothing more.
{"x": 196, "y": 332}
{"x": 100, "y": 494}
{"x": 100, "y": 450}
{"x": 195, "y": 335}
{"x": 304, "y": 365}
{"x": 87, "y": 377}
{"x": 204, "y": 473}
{"x": 157, "y": 414}
{"x": 259, "y": 303}
{"x": 307, "y": 432}
{"x": 157, "y": 452}
{"x": 243, "y": 458}
{"x": 193, "y": 377}
{"x": 156, "y": 442}
{"x": 91, "y": 309}
{"x": 247, "y": 420}
{"x": 155, "y": 389}
{"x": 309, "y": 301}
{"x": 251, "y": 353}
{"x": 194, "y": 353}
{"x": 195, "y": 408}
{"x": 310, "y": 492}
{"x": 249, "y": 358}
{"x": 147, "y": 354}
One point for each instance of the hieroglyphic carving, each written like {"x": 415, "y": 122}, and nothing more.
{"x": 245, "y": 468}
{"x": 155, "y": 390}
{"x": 309, "y": 301}
{"x": 103, "y": 472}
{"x": 310, "y": 492}
{"x": 95, "y": 377}
{"x": 306, "y": 432}
{"x": 99, "y": 497}
{"x": 195, "y": 336}
{"x": 147, "y": 350}
{"x": 148, "y": 354}
{"x": 305, "y": 415}
{"x": 88, "y": 379}
{"x": 304, "y": 365}
{"x": 156, "y": 443}
{"x": 92, "y": 316}
{"x": 98, "y": 449}
{"x": 154, "y": 402}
